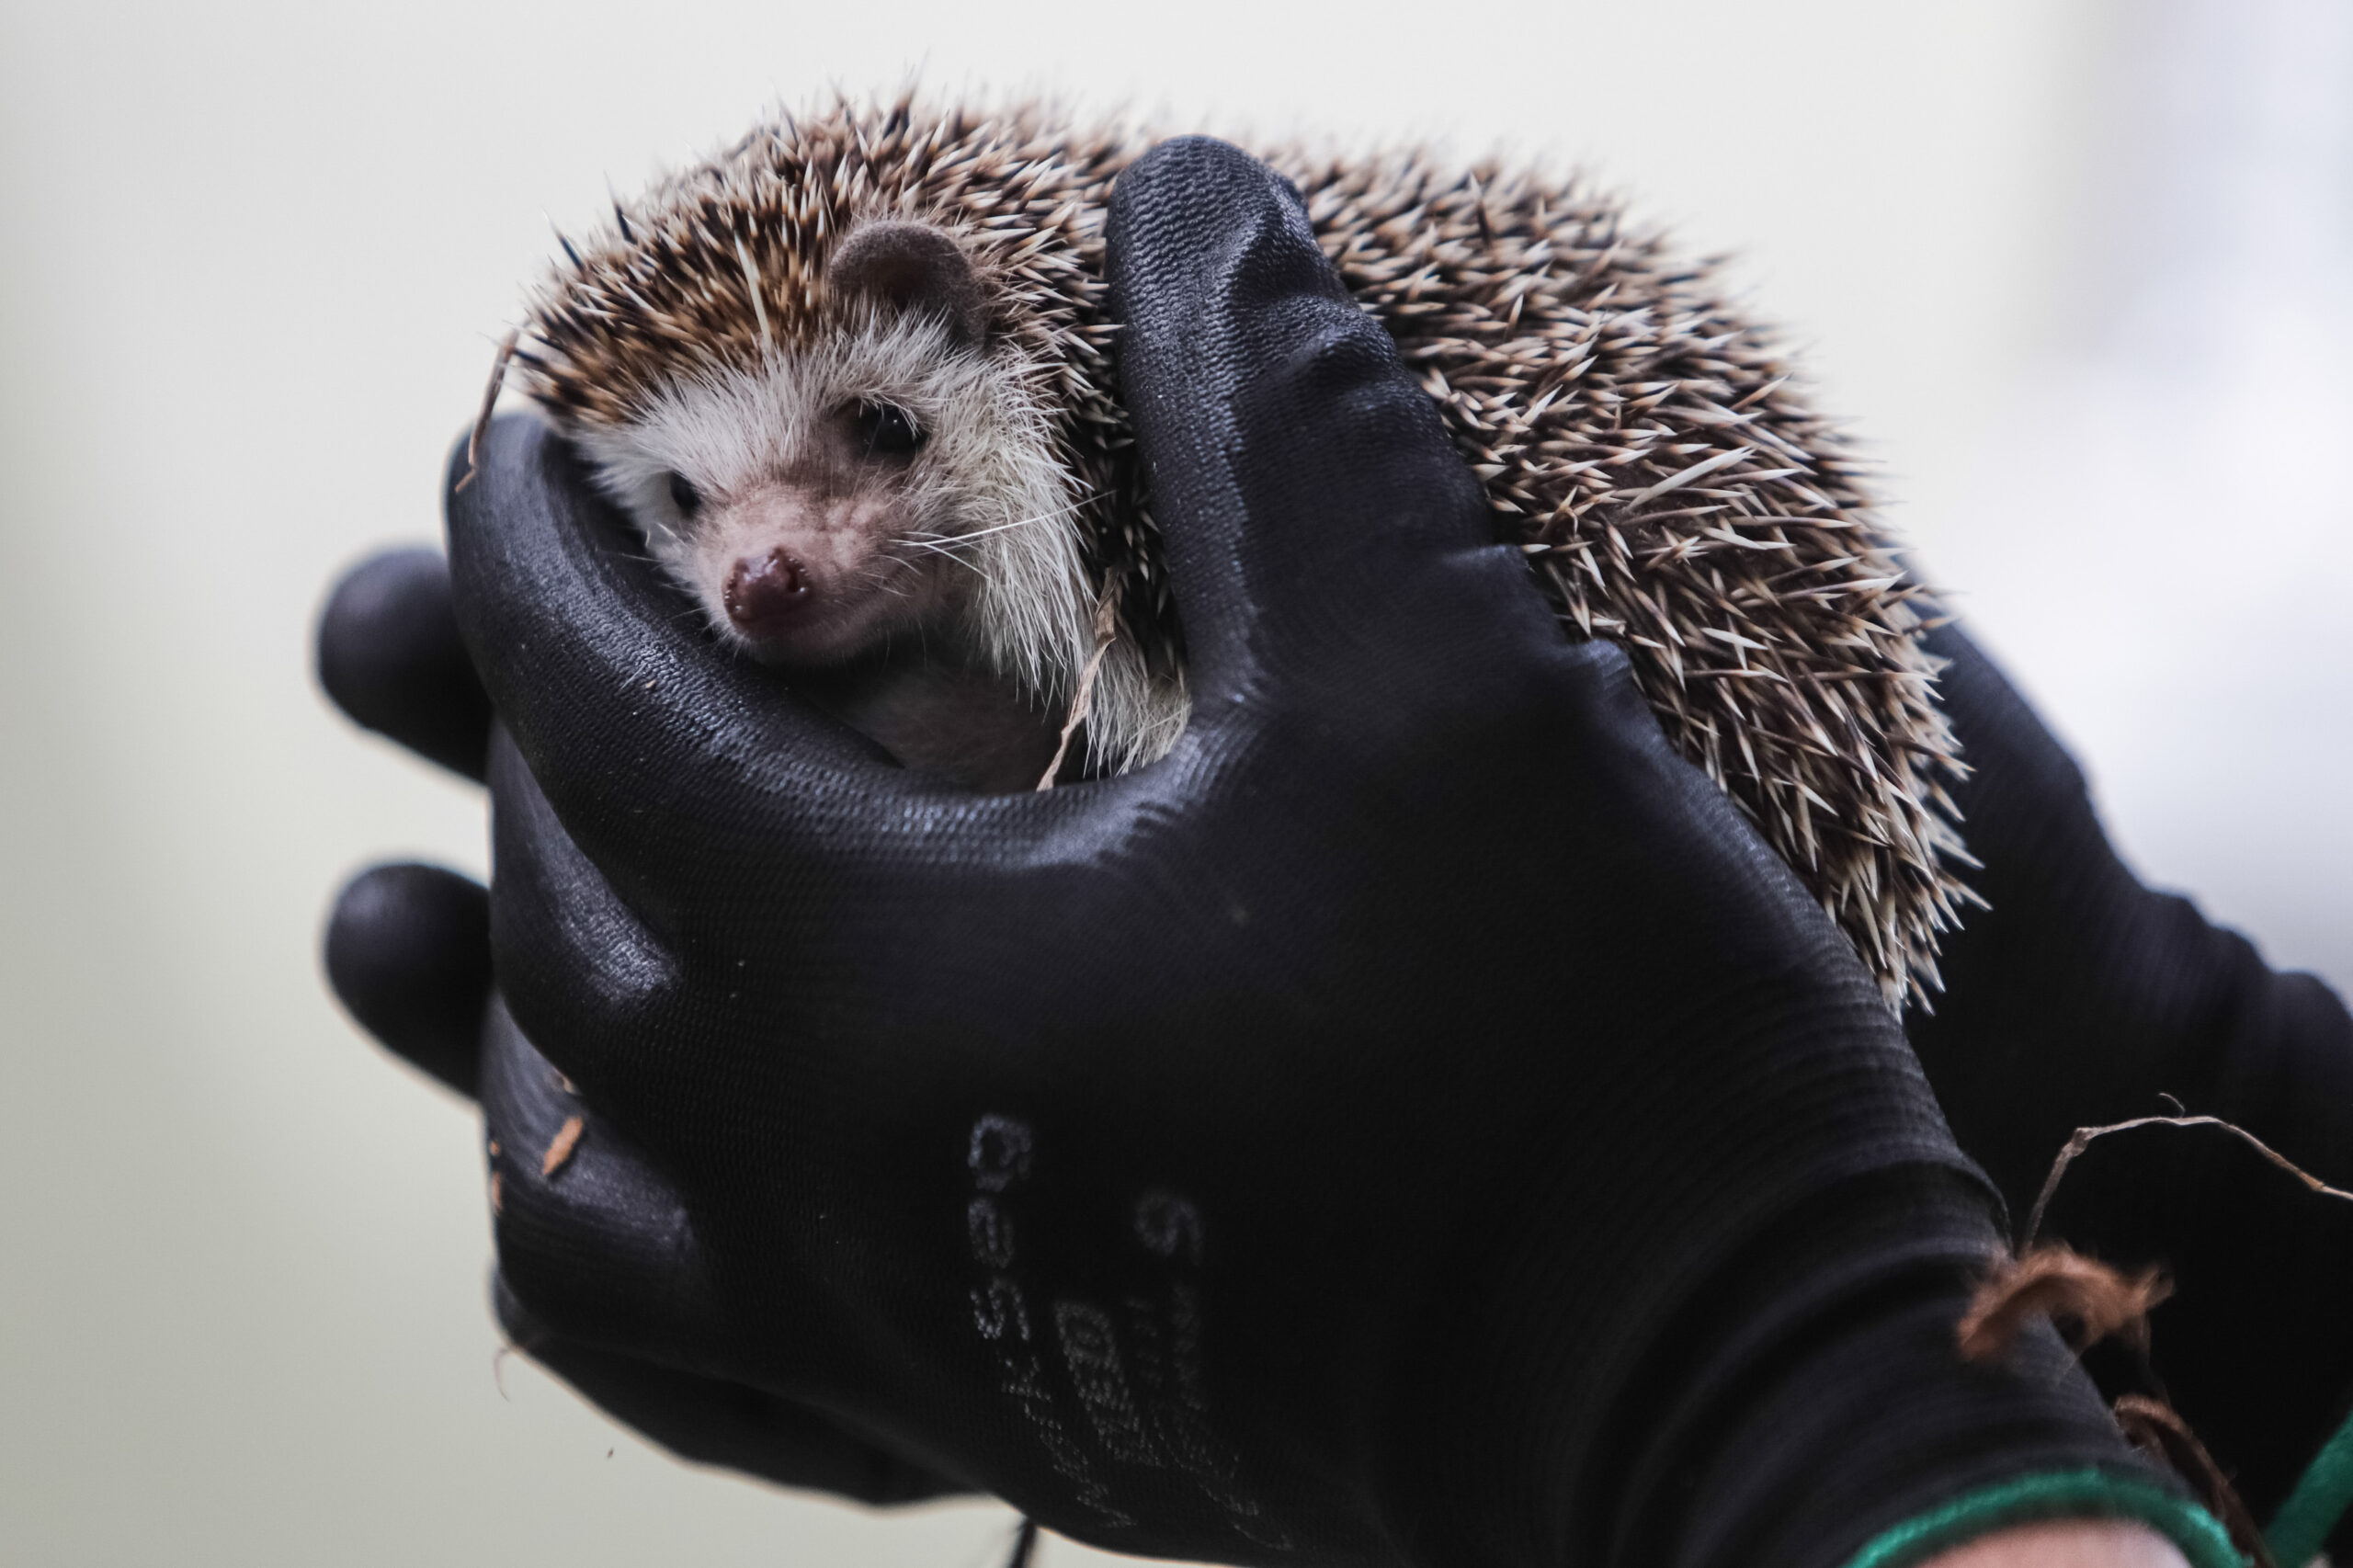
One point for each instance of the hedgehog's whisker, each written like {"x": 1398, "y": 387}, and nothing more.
{"x": 1163, "y": 722}
{"x": 1017, "y": 523}
{"x": 932, "y": 549}
{"x": 946, "y": 548}
{"x": 939, "y": 547}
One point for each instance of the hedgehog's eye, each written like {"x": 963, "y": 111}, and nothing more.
{"x": 685, "y": 496}
{"x": 887, "y": 427}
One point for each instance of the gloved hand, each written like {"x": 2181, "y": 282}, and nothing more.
{"x": 1416, "y": 1123}
{"x": 2081, "y": 998}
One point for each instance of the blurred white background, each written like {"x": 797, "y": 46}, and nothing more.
{"x": 2082, "y": 275}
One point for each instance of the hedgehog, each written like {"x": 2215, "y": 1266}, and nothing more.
{"x": 853, "y": 380}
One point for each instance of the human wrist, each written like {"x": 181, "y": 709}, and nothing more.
{"x": 2057, "y": 1519}
{"x": 1868, "y": 1444}
{"x": 2066, "y": 1543}
{"x": 1876, "y": 1447}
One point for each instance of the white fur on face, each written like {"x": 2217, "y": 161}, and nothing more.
{"x": 974, "y": 538}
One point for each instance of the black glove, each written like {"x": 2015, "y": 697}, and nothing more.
{"x": 2081, "y": 998}
{"x": 1417, "y": 1122}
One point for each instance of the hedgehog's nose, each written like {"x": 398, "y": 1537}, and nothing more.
{"x": 764, "y": 590}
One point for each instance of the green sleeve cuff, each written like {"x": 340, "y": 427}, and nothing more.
{"x": 2300, "y": 1528}
{"x": 2062, "y": 1494}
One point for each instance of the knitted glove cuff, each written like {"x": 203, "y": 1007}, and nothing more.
{"x": 2089, "y": 1493}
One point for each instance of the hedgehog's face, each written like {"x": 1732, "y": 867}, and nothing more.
{"x": 874, "y": 483}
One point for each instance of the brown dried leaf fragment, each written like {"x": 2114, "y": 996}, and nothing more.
{"x": 2084, "y": 1299}
{"x": 567, "y": 1139}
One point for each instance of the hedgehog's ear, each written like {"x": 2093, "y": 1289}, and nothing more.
{"x": 911, "y": 267}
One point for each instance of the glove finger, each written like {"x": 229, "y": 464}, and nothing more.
{"x": 574, "y": 962}
{"x": 656, "y": 754}
{"x": 596, "y": 1239}
{"x": 717, "y": 1422}
{"x": 407, "y": 951}
{"x": 390, "y": 656}
{"x": 592, "y": 1239}
{"x": 1308, "y": 492}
